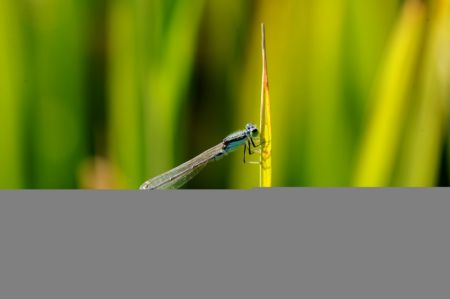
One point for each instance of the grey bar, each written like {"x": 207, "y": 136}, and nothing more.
{"x": 275, "y": 243}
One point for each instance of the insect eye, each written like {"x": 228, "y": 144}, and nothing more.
{"x": 250, "y": 127}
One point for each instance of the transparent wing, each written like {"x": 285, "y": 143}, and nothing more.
{"x": 181, "y": 174}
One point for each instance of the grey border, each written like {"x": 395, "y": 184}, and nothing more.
{"x": 262, "y": 243}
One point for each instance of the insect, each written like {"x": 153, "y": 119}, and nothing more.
{"x": 181, "y": 174}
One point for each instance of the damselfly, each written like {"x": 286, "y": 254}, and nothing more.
{"x": 179, "y": 175}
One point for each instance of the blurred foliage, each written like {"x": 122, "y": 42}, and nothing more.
{"x": 105, "y": 94}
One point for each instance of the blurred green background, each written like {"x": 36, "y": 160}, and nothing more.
{"x": 108, "y": 93}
